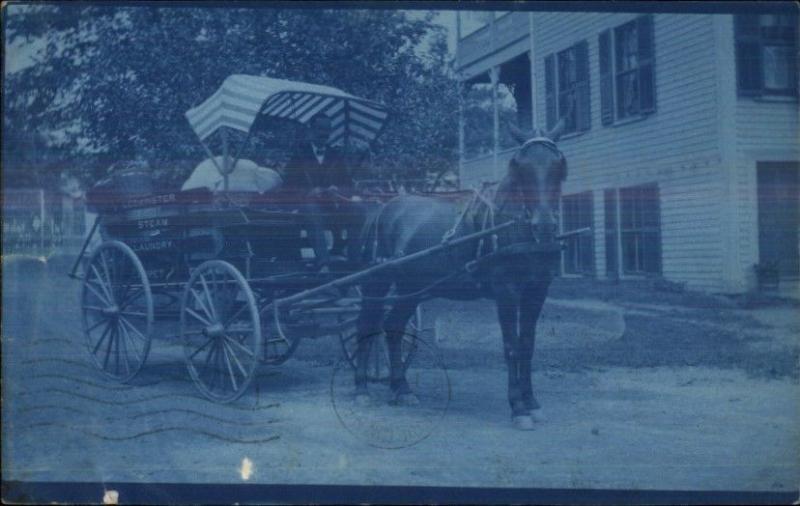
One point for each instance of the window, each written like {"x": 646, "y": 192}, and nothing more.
{"x": 640, "y": 229}
{"x": 766, "y": 54}
{"x": 610, "y": 203}
{"x": 566, "y": 76}
{"x": 579, "y": 253}
{"x": 627, "y": 73}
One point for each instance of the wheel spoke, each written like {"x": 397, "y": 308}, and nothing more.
{"x": 129, "y": 298}
{"x": 124, "y": 350}
{"x": 108, "y": 275}
{"x": 106, "y": 289}
{"x": 233, "y": 355}
{"x": 116, "y": 349}
{"x": 234, "y": 315}
{"x": 218, "y": 366}
{"x": 198, "y": 317}
{"x": 102, "y": 337}
{"x": 131, "y": 326}
{"x": 134, "y": 314}
{"x": 128, "y": 335}
{"x": 242, "y": 347}
{"x": 94, "y": 308}
{"x": 230, "y": 369}
{"x": 213, "y": 314}
{"x": 202, "y": 304}
{"x": 210, "y": 354}
{"x": 108, "y": 348}
{"x": 97, "y": 294}
{"x": 97, "y": 324}
{"x": 204, "y": 346}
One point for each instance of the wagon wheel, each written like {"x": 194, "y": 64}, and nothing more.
{"x": 117, "y": 310}
{"x": 221, "y": 331}
{"x": 378, "y": 357}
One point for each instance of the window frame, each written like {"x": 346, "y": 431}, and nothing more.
{"x": 636, "y": 226}
{"x": 575, "y": 245}
{"x": 755, "y": 85}
{"x": 644, "y": 71}
{"x": 581, "y": 119}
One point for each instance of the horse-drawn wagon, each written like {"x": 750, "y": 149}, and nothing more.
{"x": 230, "y": 266}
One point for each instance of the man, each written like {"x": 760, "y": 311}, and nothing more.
{"x": 317, "y": 170}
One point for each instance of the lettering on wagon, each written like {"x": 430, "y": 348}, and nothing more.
{"x": 152, "y": 245}
{"x": 152, "y": 223}
{"x": 151, "y": 200}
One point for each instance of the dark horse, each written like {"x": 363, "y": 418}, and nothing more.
{"x": 518, "y": 280}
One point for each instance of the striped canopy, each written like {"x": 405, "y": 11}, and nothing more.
{"x": 241, "y": 98}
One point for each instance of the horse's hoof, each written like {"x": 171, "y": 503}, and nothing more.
{"x": 406, "y": 400}
{"x": 363, "y": 400}
{"x": 537, "y": 415}
{"x": 522, "y": 422}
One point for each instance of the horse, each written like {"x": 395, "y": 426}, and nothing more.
{"x": 517, "y": 279}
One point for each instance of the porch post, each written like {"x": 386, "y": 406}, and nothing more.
{"x": 494, "y": 77}
{"x": 460, "y": 133}
{"x": 532, "y": 59}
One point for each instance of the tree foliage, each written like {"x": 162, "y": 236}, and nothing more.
{"x": 114, "y": 82}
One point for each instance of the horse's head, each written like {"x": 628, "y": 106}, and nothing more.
{"x": 534, "y": 178}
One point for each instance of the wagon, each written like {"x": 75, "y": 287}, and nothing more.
{"x": 227, "y": 270}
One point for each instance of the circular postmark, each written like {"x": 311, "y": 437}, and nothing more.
{"x": 384, "y": 422}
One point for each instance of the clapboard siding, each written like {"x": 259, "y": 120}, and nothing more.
{"x": 765, "y": 131}
{"x": 676, "y": 147}
{"x": 701, "y": 145}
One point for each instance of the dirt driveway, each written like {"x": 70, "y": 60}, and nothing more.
{"x": 683, "y": 392}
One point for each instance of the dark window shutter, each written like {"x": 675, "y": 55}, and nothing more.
{"x": 647, "y": 77}
{"x": 749, "y": 76}
{"x": 606, "y": 80}
{"x": 550, "y": 90}
{"x": 583, "y": 105}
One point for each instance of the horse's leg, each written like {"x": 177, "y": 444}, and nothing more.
{"x": 531, "y": 302}
{"x": 507, "y": 314}
{"x": 368, "y": 327}
{"x": 395, "y": 326}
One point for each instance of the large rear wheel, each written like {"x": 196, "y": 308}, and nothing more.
{"x": 220, "y": 329}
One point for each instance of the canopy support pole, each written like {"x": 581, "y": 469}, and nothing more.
{"x": 225, "y": 163}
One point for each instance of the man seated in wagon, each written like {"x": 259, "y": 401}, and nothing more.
{"x": 318, "y": 169}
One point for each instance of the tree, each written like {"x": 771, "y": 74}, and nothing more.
{"x": 115, "y": 81}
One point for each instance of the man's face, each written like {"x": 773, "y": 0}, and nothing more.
{"x": 320, "y": 130}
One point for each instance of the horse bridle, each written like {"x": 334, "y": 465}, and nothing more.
{"x": 551, "y": 145}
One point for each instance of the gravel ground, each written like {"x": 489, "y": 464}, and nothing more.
{"x": 683, "y": 392}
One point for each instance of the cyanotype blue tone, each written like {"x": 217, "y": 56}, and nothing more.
{"x": 262, "y": 245}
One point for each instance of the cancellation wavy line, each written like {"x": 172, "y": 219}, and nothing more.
{"x": 129, "y": 386}
{"x": 129, "y": 402}
{"x": 47, "y": 340}
{"x": 152, "y": 432}
{"x": 146, "y": 414}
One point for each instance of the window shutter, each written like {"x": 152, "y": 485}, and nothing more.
{"x": 606, "y": 80}
{"x": 550, "y": 90}
{"x": 748, "y": 54}
{"x": 647, "y": 76}
{"x": 583, "y": 105}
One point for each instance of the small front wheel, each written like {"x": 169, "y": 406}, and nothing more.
{"x": 220, "y": 329}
